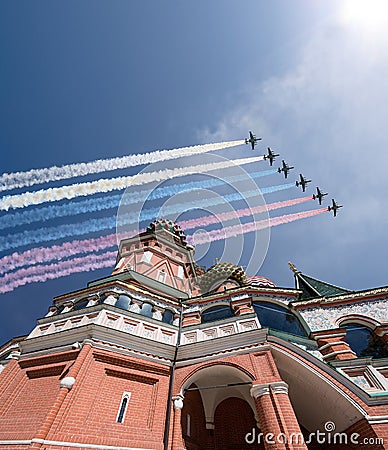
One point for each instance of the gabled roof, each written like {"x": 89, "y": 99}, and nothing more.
{"x": 312, "y": 287}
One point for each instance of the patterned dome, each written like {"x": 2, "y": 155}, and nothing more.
{"x": 221, "y": 272}
{"x": 170, "y": 226}
{"x": 260, "y": 281}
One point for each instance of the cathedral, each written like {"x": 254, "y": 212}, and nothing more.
{"x": 166, "y": 354}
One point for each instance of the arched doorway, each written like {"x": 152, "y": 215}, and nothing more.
{"x": 233, "y": 420}
{"x": 194, "y": 432}
{"x": 218, "y": 410}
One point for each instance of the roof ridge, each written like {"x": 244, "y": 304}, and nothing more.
{"x": 324, "y": 282}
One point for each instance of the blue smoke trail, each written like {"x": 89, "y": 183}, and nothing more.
{"x": 46, "y": 234}
{"x": 46, "y": 213}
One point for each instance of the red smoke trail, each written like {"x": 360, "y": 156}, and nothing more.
{"x": 66, "y": 250}
{"x": 223, "y": 217}
{"x": 236, "y": 230}
{"x": 41, "y": 272}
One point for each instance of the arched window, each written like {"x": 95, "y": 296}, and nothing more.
{"x": 123, "y": 407}
{"x": 216, "y": 313}
{"x": 123, "y": 302}
{"x": 168, "y": 316}
{"x": 60, "y": 308}
{"x": 364, "y": 342}
{"x": 81, "y": 304}
{"x": 278, "y": 318}
{"x": 146, "y": 310}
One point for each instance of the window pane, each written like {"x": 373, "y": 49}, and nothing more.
{"x": 217, "y": 313}
{"x": 123, "y": 406}
{"x": 168, "y": 316}
{"x": 123, "y": 302}
{"x": 278, "y": 318}
{"x": 146, "y": 310}
{"x": 81, "y": 304}
{"x": 364, "y": 342}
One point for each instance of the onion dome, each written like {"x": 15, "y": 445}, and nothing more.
{"x": 221, "y": 272}
{"x": 260, "y": 282}
{"x": 169, "y": 226}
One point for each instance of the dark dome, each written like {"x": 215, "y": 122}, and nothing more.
{"x": 260, "y": 281}
{"x": 170, "y": 226}
{"x": 221, "y": 272}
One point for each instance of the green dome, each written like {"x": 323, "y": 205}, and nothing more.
{"x": 170, "y": 226}
{"x": 221, "y": 272}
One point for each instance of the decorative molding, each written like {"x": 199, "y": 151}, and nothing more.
{"x": 279, "y": 387}
{"x": 326, "y": 317}
{"x": 258, "y": 390}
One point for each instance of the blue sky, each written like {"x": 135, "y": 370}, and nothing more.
{"x": 87, "y": 80}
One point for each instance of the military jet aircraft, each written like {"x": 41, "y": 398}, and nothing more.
{"x": 285, "y": 168}
{"x": 252, "y": 140}
{"x": 303, "y": 182}
{"x": 334, "y": 207}
{"x": 271, "y": 156}
{"x": 319, "y": 195}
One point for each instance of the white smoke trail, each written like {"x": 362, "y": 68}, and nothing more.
{"x": 113, "y": 184}
{"x": 59, "y": 232}
{"x": 15, "y": 180}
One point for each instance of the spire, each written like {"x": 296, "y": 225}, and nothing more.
{"x": 312, "y": 287}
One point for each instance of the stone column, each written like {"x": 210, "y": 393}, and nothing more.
{"x": 177, "y": 440}
{"x": 278, "y": 424}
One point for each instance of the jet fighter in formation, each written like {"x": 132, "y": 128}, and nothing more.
{"x": 271, "y": 156}
{"x": 285, "y": 168}
{"x": 334, "y": 207}
{"x": 303, "y": 182}
{"x": 319, "y": 195}
{"x": 252, "y": 140}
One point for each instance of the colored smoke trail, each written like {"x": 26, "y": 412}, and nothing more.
{"x": 68, "y": 249}
{"x": 39, "y": 255}
{"x": 41, "y": 273}
{"x": 224, "y": 217}
{"x": 113, "y": 184}
{"x": 15, "y": 180}
{"x": 236, "y": 230}
{"x": 59, "y": 232}
{"x": 46, "y": 213}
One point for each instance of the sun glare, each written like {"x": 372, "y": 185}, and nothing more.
{"x": 370, "y": 15}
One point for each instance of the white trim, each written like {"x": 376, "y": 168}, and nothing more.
{"x": 330, "y": 344}
{"x": 376, "y": 419}
{"x": 71, "y": 444}
{"x": 340, "y": 352}
{"x": 325, "y": 336}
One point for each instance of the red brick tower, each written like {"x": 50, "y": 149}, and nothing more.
{"x": 162, "y": 355}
